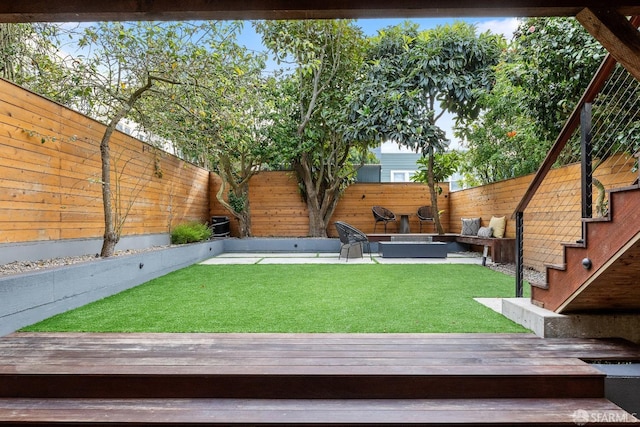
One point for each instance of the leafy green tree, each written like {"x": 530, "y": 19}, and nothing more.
{"x": 126, "y": 64}
{"x": 223, "y": 121}
{"x": 444, "y": 165}
{"x": 554, "y": 60}
{"x": 326, "y": 57}
{"x": 502, "y": 143}
{"x": 411, "y": 78}
{"x": 539, "y": 80}
{"x": 20, "y": 48}
{"x": 32, "y": 56}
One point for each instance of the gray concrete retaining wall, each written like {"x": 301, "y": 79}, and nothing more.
{"x": 34, "y": 251}
{"x": 30, "y": 297}
{"x": 279, "y": 245}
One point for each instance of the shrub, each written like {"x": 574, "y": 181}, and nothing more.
{"x": 190, "y": 232}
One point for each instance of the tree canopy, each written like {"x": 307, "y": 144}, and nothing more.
{"x": 192, "y": 85}
{"x": 411, "y": 78}
{"x": 327, "y": 56}
{"x": 540, "y": 78}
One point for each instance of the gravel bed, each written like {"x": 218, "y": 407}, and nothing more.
{"x": 18, "y": 267}
{"x": 530, "y": 275}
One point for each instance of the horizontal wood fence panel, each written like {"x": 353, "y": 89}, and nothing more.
{"x": 277, "y": 208}
{"x": 50, "y": 189}
{"x": 552, "y": 217}
{"x": 51, "y": 172}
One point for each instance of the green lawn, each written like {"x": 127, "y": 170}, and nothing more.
{"x": 301, "y": 298}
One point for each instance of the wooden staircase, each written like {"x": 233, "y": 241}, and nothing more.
{"x": 305, "y": 379}
{"x": 602, "y": 272}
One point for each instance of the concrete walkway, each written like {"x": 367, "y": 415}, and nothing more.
{"x": 332, "y": 258}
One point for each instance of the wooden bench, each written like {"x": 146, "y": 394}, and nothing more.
{"x": 503, "y": 250}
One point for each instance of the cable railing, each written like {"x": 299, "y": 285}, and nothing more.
{"x": 603, "y": 134}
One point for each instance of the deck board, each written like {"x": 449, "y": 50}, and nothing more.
{"x": 361, "y": 412}
{"x": 319, "y": 379}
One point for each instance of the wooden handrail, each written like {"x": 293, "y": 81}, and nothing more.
{"x": 595, "y": 86}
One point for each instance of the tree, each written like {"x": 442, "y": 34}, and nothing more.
{"x": 539, "y": 80}
{"x": 326, "y": 56}
{"x": 32, "y": 56}
{"x": 502, "y": 143}
{"x": 411, "y": 78}
{"x": 555, "y": 58}
{"x": 126, "y": 63}
{"x": 225, "y": 122}
{"x": 444, "y": 165}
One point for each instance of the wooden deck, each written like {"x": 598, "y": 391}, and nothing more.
{"x": 298, "y": 379}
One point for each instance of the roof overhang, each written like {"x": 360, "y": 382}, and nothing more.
{"x": 130, "y": 10}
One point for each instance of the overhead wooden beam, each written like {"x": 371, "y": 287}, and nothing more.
{"x": 614, "y": 31}
{"x": 121, "y": 10}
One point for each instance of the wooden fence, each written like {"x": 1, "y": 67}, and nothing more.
{"x": 50, "y": 188}
{"x": 51, "y": 168}
{"x": 278, "y": 209}
{"x": 552, "y": 217}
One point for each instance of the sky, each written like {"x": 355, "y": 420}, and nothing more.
{"x": 370, "y": 27}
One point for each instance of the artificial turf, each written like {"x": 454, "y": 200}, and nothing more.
{"x": 301, "y": 298}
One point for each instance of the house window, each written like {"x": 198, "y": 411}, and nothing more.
{"x": 401, "y": 176}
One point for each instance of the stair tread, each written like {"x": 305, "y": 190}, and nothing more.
{"x": 560, "y": 267}
{"x": 539, "y": 285}
{"x": 307, "y": 411}
{"x": 597, "y": 219}
{"x": 302, "y": 366}
{"x": 623, "y": 189}
{"x": 573, "y": 244}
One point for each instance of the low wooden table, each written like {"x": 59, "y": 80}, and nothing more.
{"x": 398, "y": 249}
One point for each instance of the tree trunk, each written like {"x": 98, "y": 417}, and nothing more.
{"x": 110, "y": 239}
{"x": 434, "y": 195}
{"x": 244, "y": 224}
{"x": 111, "y": 234}
{"x": 317, "y": 223}
{"x": 602, "y": 208}
{"x": 243, "y": 217}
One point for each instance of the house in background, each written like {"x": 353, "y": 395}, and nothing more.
{"x": 396, "y": 165}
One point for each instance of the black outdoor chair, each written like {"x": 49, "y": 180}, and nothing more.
{"x": 351, "y": 237}
{"x": 381, "y": 214}
{"x": 425, "y": 215}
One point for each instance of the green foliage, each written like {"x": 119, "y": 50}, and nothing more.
{"x": 502, "y": 143}
{"x": 555, "y": 60}
{"x": 444, "y": 165}
{"x": 238, "y": 202}
{"x": 410, "y": 78}
{"x": 301, "y": 298}
{"x": 32, "y": 55}
{"x": 190, "y": 232}
{"x": 326, "y": 56}
{"x": 540, "y": 78}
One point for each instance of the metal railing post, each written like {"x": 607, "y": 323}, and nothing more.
{"x": 519, "y": 254}
{"x": 586, "y": 161}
